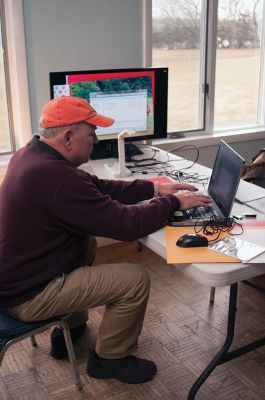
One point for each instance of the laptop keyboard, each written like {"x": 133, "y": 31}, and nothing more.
{"x": 201, "y": 213}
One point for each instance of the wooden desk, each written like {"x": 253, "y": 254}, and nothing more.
{"x": 214, "y": 275}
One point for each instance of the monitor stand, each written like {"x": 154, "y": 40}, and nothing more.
{"x": 110, "y": 150}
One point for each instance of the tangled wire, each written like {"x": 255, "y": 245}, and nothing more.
{"x": 217, "y": 225}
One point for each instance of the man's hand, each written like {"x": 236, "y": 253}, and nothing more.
{"x": 170, "y": 188}
{"x": 189, "y": 199}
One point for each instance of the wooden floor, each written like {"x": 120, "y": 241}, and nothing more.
{"x": 181, "y": 333}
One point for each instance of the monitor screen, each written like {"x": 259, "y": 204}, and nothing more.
{"x": 135, "y": 98}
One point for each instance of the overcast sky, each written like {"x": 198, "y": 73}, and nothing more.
{"x": 159, "y": 5}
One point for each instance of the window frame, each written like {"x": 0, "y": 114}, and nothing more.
{"x": 7, "y": 81}
{"x": 210, "y": 62}
{"x": 17, "y": 78}
{"x": 261, "y": 97}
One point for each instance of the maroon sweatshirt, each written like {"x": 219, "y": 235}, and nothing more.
{"x": 48, "y": 208}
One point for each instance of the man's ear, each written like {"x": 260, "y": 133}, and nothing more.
{"x": 68, "y": 139}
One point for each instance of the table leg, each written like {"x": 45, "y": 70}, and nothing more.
{"x": 224, "y": 350}
{"x": 212, "y": 294}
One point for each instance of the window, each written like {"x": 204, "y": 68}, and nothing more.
{"x": 15, "y": 124}
{"x": 214, "y": 52}
{"x": 238, "y": 63}
{"x": 5, "y": 131}
{"x": 178, "y": 43}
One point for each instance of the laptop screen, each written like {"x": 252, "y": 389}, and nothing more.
{"x": 225, "y": 177}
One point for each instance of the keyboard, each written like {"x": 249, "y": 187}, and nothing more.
{"x": 201, "y": 213}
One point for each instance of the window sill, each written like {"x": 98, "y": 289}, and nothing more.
{"x": 211, "y": 140}
{"x": 4, "y": 160}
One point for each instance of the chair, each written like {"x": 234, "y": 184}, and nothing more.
{"x": 12, "y": 331}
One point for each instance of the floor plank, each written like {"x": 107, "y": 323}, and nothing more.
{"x": 182, "y": 332}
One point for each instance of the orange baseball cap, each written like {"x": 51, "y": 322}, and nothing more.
{"x": 68, "y": 110}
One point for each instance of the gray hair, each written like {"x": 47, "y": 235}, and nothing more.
{"x": 51, "y": 132}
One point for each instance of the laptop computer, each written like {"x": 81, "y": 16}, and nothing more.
{"x": 223, "y": 185}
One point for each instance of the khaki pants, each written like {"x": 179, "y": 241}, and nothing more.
{"x": 123, "y": 288}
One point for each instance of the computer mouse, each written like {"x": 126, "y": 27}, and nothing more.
{"x": 192, "y": 240}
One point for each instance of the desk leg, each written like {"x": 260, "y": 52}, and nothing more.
{"x": 224, "y": 350}
{"x": 212, "y": 294}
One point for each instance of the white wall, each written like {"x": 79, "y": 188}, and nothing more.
{"x": 246, "y": 149}
{"x": 69, "y": 35}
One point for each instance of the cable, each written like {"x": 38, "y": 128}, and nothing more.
{"x": 154, "y": 150}
{"x": 145, "y": 165}
{"x": 217, "y": 225}
{"x": 193, "y": 146}
{"x": 165, "y": 168}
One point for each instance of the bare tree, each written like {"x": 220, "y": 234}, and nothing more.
{"x": 256, "y": 4}
{"x": 239, "y": 23}
{"x": 234, "y": 9}
{"x": 180, "y": 22}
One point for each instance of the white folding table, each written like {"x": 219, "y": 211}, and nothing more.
{"x": 210, "y": 274}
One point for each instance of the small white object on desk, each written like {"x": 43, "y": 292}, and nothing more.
{"x": 119, "y": 170}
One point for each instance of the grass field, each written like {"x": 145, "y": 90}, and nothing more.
{"x": 237, "y": 81}
{"x": 237, "y": 74}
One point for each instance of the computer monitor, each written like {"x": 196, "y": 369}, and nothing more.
{"x": 136, "y": 98}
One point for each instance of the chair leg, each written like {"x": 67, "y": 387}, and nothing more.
{"x": 2, "y": 353}
{"x": 33, "y": 340}
{"x": 212, "y": 294}
{"x": 71, "y": 354}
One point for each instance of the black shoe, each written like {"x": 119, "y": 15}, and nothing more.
{"x": 58, "y": 345}
{"x": 130, "y": 369}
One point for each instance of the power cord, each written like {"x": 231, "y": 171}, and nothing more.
{"x": 192, "y": 146}
{"x": 217, "y": 225}
{"x": 166, "y": 168}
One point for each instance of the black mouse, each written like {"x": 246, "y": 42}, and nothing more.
{"x": 192, "y": 240}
